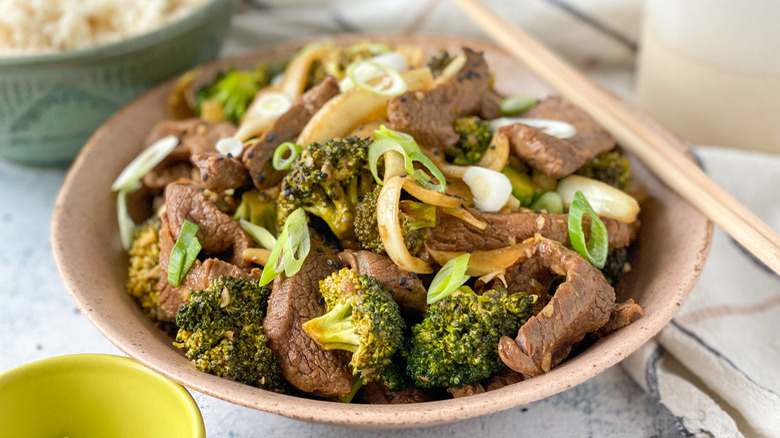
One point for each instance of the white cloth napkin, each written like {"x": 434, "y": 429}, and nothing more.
{"x": 716, "y": 367}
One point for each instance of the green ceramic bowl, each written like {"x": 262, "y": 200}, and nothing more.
{"x": 94, "y": 396}
{"x": 50, "y": 104}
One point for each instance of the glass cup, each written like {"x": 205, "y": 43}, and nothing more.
{"x": 710, "y": 70}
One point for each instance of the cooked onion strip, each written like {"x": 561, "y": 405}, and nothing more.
{"x": 297, "y": 71}
{"x": 430, "y": 197}
{"x": 607, "y": 201}
{"x": 465, "y": 216}
{"x": 497, "y": 154}
{"x": 256, "y": 255}
{"x": 493, "y": 262}
{"x": 451, "y": 69}
{"x": 256, "y": 122}
{"x": 341, "y": 114}
{"x": 387, "y": 213}
{"x": 556, "y": 128}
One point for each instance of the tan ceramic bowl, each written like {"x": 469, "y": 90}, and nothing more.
{"x": 673, "y": 245}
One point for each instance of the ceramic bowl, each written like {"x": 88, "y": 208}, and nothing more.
{"x": 94, "y": 395}
{"x": 50, "y": 104}
{"x": 671, "y": 250}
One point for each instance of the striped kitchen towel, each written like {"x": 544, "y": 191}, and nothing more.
{"x": 716, "y": 366}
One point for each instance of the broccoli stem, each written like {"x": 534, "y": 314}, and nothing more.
{"x": 334, "y": 330}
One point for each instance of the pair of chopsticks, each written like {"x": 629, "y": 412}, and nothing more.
{"x": 658, "y": 149}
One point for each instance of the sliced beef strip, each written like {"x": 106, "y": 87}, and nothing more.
{"x": 621, "y": 316}
{"x": 257, "y": 156}
{"x": 220, "y": 173}
{"x": 582, "y": 304}
{"x": 502, "y": 379}
{"x": 293, "y": 301}
{"x": 428, "y": 115}
{"x": 552, "y": 155}
{"x": 504, "y": 229}
{"x": 217, "y": 233}
{"x": 195, "y": 136}
{"x": 377, "y": 394}
{"x": 406, "y": 288}
{"x": 465, "y": 391}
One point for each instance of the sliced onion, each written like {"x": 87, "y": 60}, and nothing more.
{"x": 493, "y": 262}
{"x": 497, "y": 154}
{"x": 555, "y": 128}
{"x": 258, "y": 256}
{"x": 272, "y": 105}
{"x": 430, "y": 197}
{"x": 144, "y": 162}
{"x": 230, "y": 146}
{"x": 465, "y": 216}
{"x": 606, "y": 201}
{"x": 491, "y": 189}
{"x": 451, "y": 70}
{"x": 387, "y": 212}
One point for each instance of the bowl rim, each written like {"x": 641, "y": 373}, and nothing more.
{"x": 119, "y": 48}
{"x": 86, "y": 361}
{"x": 365, "y": 415}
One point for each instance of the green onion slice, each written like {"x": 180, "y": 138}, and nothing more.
{"x": 281, "y": 163}
{"x": 389, "y": 140}
{"x": 595, "y": 250}
{"x": 551, "y": 202}
{"x": 450, "y": 277}
{"x": 184, "y": 253}
{"x": 145, "y": 161}
{"x": 126, "y": 224}
{"x": 363, "y": 72}
{"x": 290, "y": 249}
{"x": 514, "y": 105}
{"x": 260, "y": 235}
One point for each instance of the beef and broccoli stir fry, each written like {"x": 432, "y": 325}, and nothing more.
{"x": 363, "y": 224}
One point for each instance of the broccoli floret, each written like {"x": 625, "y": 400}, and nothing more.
{"x": 457, "y": 342}
{"x": 438, "y": 63}
{"x": 144, "y": 269}
{"x": 617, "y": 265}
{"x": 221, "y": 331}
{"x": 474, "y": 139}
{"x": 327, "y": 180}
{"x": 611, "y": 167}
{"x": 233, "y": 91}
{"x": 362, "y": 318}
{"x": 417, "y": 219}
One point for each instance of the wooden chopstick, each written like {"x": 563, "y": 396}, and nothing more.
{"x": 658, "y": 149}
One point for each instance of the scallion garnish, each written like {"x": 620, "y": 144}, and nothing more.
{"x": 282, "y": 163}
{"x": 184, "y": 253}
{"x": 126, "y": 224}
{"x": 259, "y": 234}
{"x": 290, "y": 249}
{"x": 514, "y": 105}
{"x": 595, "y": 249}
{"x": 550, "y": 202}
{"x": 404, "y": 144}
{"x": 363, "y": 73}
{"x": 128, "y": 180}
{"x": 450, "y": 278}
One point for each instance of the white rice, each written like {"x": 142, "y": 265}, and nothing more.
{"x": 44, "y": 26}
